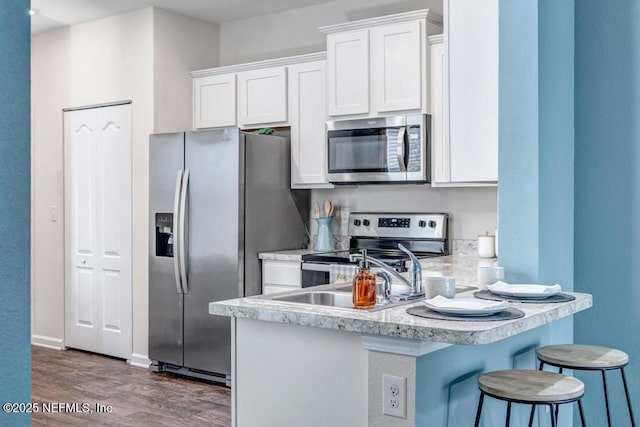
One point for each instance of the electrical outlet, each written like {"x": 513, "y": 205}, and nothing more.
{"x": 394, "y": 396}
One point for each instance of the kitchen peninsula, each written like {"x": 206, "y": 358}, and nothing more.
{"x": 302, "y": 364}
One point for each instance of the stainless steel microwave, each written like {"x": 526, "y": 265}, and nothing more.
{"x": 386, "y": 149}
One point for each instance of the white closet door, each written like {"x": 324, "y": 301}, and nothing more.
{"x": 98, "y": 230}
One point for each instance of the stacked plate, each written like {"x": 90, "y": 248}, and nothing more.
{"x": 524, "y": 291}
{"x": 465, "y": 306}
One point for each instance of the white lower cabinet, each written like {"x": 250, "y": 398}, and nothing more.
{"x": 280, "y": 276}
{"x": 307, "y": 115}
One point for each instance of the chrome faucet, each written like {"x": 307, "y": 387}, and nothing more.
{"x": 415, "y": 281}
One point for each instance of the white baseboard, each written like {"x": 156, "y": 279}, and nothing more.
{"x": 47, "y": 342}
{"x": 139, "y": 360}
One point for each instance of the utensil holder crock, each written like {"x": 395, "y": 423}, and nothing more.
{"x": 324, "y": 239}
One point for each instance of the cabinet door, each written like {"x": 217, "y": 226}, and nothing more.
{"x": 281, "y": 273}
{"x": 215, "y": 101}
{"x": 262, "y": 96}
{"x": 397, "y": 72}
{"x": 471, "y": 35}
{"x": 439, "y": 119}
{"x": 308, "y": 112}
{"x": 348, "y": 73}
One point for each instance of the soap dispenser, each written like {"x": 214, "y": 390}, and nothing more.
{"x": 364, "y": 285}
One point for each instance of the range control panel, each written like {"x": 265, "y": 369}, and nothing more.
{"x": 394, "y": 222}
{"x": 398, "y": 225}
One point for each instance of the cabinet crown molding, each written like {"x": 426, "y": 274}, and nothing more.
{"x": 278, "y": 62}
{"x": 435, "y": 39}
{"x": 431, "y": 17}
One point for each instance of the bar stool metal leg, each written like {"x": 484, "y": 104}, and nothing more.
{"x": 508, "y": 414}
{"x": 606, "y": 397}
{"x": 581, "y": 413}
{"x": 558, "y": 406}
{"x": 626, "y": 393}
{"x": 477, "y": 423}
{"x": 533, "y": 409}
{"x": 553, "y": 419}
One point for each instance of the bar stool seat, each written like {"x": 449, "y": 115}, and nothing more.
{"x": 582, "y": 357}
{"x": 530, "y": 387}
{"x": 589, "y": 358}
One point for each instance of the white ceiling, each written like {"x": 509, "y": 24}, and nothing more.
{"x": 60, "y": 13}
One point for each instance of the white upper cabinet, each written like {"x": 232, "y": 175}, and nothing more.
{"x": 397, "y": 66}
{"x": 379, "y": 66}
{"x": 471, "y": 43}
{"x": 307, "y": 115}
{"x": 214, "y": 101}
{"x": 251, "y": 95}
{"x": 348, "y": 73}
{"x": 440, "y": 171}
{"x": 262, "y": 97}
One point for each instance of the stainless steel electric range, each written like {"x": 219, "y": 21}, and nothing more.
{"x": 424, "y": 234}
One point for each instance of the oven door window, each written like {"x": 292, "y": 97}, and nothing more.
{"x": 314, "y": 278}
{"x": 367, "y": 150}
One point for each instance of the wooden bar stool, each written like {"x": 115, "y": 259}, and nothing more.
{"x": 530, "y": 387}
{"x": 588, "y": 358}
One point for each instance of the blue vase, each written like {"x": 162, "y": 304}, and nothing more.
{"x": 324, "y": 239}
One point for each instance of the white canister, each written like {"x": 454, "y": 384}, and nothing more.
{"x": 496, "y": 244}
{"x": 486, "y": 246}
{"x": 488, "y": 275}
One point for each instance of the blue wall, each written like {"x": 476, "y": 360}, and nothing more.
{"x": 607, "y": 195}
{"x": 518, "y": 162}
{"x": 15, "y": 351}
{"x": 536, "y": 211}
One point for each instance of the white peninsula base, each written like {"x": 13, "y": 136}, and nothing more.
{"x": 295, "y": 365}
{"x": 292, "y": 375}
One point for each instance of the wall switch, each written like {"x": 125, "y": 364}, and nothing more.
{"x": 394, "y": 396}
{"x": 53, "y": 213}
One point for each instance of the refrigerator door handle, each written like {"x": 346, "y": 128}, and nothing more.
{"x": 182, "y": 237}
{"x": 176, "y": 221}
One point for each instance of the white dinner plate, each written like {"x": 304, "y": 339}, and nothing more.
{"x": 524, "y": 291}
{"x": 465, "y": 306}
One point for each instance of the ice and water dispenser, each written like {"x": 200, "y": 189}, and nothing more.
{"x": 164, "y": 234}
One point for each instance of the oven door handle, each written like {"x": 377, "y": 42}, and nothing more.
{"x": 316, "y": 267}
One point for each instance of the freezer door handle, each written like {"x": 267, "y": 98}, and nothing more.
{"x": 182, "y": 236}
{"x": 176, "y": 221}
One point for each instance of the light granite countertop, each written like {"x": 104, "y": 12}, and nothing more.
{"x": 290, "y": 255}
{"x": 396, "y": 322}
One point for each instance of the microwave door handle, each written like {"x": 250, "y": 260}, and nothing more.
{"x": 176, "y": 222}
{"x": 400, "y": 145}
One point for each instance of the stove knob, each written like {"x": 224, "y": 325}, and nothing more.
{"x": 365, "y": 222}
{"x": 432, "y": 224}
{"x": 356, "y": 222}
{"x": 422, "y": 224}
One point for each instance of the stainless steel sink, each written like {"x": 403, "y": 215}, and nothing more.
{"x": 333, "y": 299}
{"x": 340, "y": 298}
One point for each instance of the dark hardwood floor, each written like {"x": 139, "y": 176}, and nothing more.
{"x": 138, "y": 397}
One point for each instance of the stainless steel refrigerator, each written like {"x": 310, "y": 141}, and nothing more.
{"x": 216, "y": 199}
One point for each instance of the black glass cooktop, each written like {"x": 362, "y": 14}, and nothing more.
{"x": 342, "y": 257}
